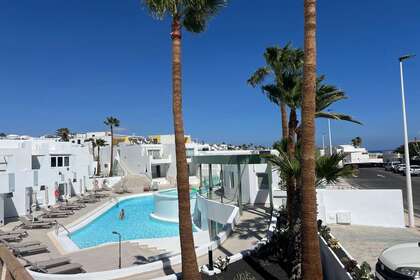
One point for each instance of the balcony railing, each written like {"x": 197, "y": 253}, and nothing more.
{"x": 10, "y": 267}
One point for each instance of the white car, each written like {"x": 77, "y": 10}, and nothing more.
{"x": 399, "y": 168}
{"x": 414, "y": 170}
{"x": 399, "y": 262}
{"x": 389, "y": 166}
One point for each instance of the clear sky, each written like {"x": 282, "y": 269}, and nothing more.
{"x": 72, "y": 63}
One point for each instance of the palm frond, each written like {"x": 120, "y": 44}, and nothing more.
{"x": 329, "y": 171}
{"x": 273, "y": 93}
{"x": 287, "y": 168}
{"x": 336, "y": 116}
{"x": 161, "y": 8}
{"x": 259, "y": 76}
{"x": 197, "y": 13}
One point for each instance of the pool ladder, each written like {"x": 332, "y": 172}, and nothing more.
{"x": 57, "y": 228}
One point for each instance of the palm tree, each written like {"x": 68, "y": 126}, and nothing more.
{"x": 112, "y": 122}
{"x": 356, "y": 142}
{"x": 99, "y": 143}
{"x": 193, "y": 15}
{"x": 311, "y": 259}
{"x": 325, "y": 96}
{"x": 63, "y": 133}
{"x": 279, "y": 61}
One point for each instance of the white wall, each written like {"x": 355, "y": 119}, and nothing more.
{"x": 251, "y": 193}
{"x": 21, "y": 154}
{"x": 367, "y": 207}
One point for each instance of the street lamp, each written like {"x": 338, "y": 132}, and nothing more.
{"x": 119, "y": 248}
{"x": 406, "y": 149}
{"x": 329, "y": 134}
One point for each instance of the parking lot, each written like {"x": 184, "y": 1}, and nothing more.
{"x": 378, "y": 178}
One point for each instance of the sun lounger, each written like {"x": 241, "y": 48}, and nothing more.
{"x": 57, "y": 210}
{"x": 87, "y": 199}
{"x": 69, "y": 268}
{"x": 32, "y": 225}
{"x": 20, "y": 232}
{"x": 53, "y": 214}
{"x": 21, "y": 244}
{"x": 43, "y": 265}
{"x": 64, "y": 207}
{"x": 30, "y": 250}
{"x": 38, "y": 219}
{"x": 10, "y": 237}
{"x": 72, "y": 206}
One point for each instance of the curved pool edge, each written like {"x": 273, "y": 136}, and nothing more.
{"x": 66, "y": 245}
{"x": 139, "y": 269}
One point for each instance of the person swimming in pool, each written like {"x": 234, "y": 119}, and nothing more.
{"x": 122, "y": 214}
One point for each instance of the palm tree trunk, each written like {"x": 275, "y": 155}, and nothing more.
{"x": 98, "y": 164}
{"x": 111, "y": 163}
{"x": 189, "y": 259}
{"x": 311, "y": 259}
{"x": 284, "y": 128}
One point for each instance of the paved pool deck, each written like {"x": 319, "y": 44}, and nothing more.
{"x": 252, "y": 227}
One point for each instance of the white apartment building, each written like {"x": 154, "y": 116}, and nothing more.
{"x": 31, "y": 171}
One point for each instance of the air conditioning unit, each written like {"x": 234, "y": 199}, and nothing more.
{"x": 344, "y": 217}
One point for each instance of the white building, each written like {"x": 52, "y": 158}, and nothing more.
{"x": 358, "y": 155}
{"x": 31, "y": 171}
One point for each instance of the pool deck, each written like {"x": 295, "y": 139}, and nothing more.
{"x": 252, "y": 227}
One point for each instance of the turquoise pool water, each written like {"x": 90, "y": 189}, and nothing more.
{"x": 137, "y": 224}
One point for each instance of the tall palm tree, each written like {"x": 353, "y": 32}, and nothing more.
{"x": 63, "y": 133}
{"x": 193, "y": 15}
{"x": 356, "y": 142}
{"x": 279, "y": 61}
{"x": 112, "y": 123}
{"x": 99, "y": 143}
{"x": 311, "y": 259}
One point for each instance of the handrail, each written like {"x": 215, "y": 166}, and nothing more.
{"x": 57, "y": 224}
{"x": 10, "y": 267}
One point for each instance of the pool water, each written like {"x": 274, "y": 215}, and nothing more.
{"x": 137, "y": 224}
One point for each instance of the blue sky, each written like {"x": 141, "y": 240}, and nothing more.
{"x": 72, "y": 63}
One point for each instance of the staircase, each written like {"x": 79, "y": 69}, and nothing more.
{"x": 133, "y": 183}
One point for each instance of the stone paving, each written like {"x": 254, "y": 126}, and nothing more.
{"x": 365, "y": 243}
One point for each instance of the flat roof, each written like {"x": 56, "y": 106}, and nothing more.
{"x": 231, "y": 158}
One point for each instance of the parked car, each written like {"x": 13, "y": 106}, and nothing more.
{"x": 414, "y": 170}
{"x": 401, "y": 261}
{"x": 399, "y": 168}
{"x": 389, "y": 166}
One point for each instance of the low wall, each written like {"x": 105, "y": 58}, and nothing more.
{"x": 332, "y": 268}
{"x": 366, "y": 207}
{"x": 215, "y": 211}
{"x": 166, "y": 206}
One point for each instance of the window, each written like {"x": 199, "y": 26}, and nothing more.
{"x": 66, "y": 161}
{"x": 53, "y": 161}
{"x": 59, "y": 161}
{"x": 262, "y": 181}
{"x": 154, "y": 153}
{"x": 190, "y": 153}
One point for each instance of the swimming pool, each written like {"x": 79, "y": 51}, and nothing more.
{"x": 137, "y": 224}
